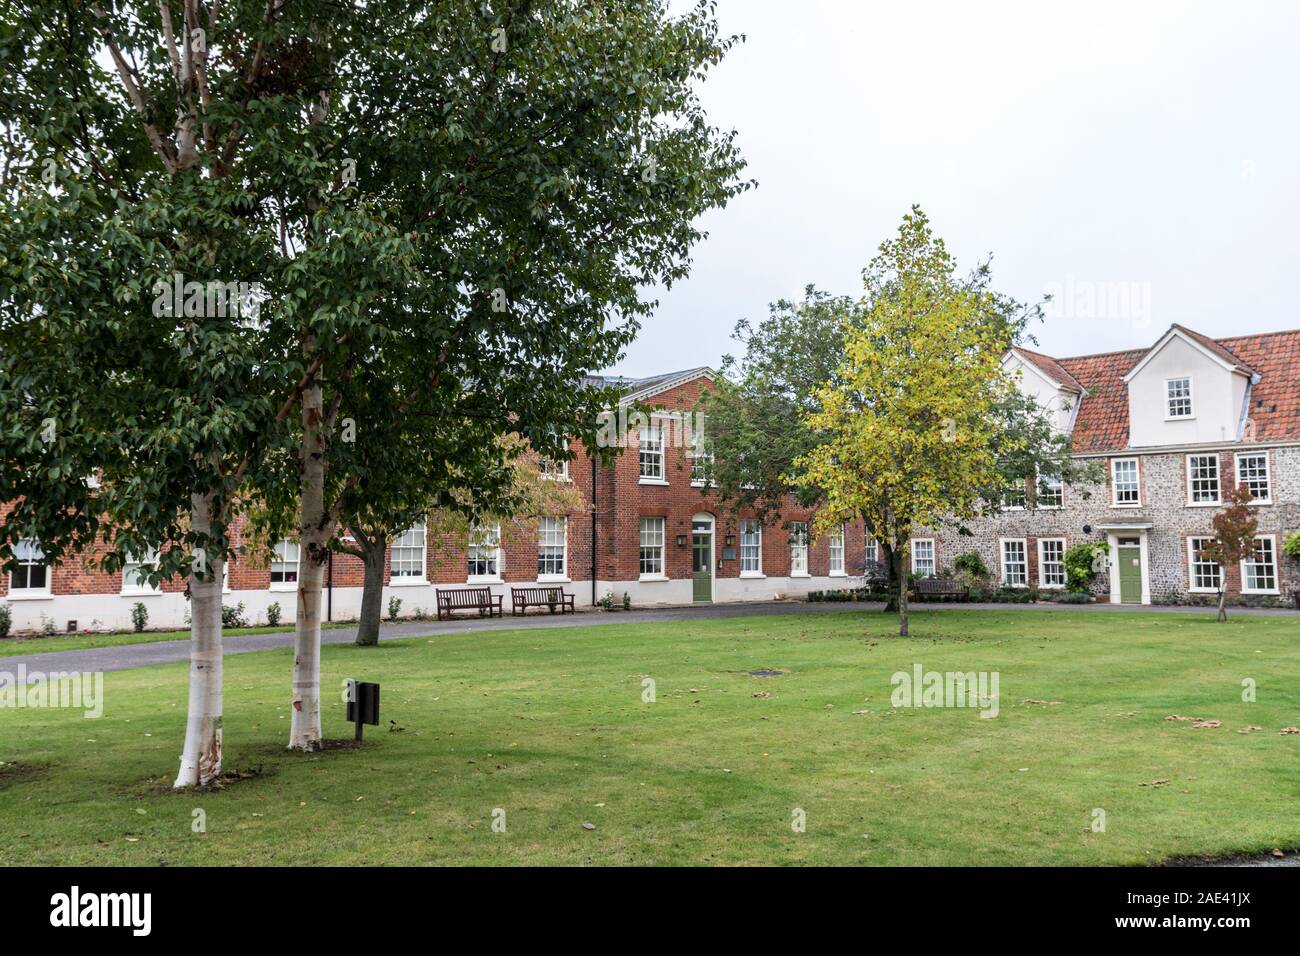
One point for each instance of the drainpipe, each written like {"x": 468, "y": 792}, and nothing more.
{"x": 593, "y": 531}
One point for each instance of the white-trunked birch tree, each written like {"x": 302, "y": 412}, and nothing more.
{"x": 538, "y": 165}
{"x": 466, "y": 198}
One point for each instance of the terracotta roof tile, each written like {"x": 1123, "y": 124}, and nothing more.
{"x": 1217, "y": 347}
{"x": 1102, "y": 421}
{"x": 1051, "y": 368}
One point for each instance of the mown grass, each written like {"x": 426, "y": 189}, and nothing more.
{"x": 550, "y": 727}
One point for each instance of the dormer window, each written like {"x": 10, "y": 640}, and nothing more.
{"x": 1178, "y": 393}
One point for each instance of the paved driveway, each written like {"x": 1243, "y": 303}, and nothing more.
{"x": 127, "y": 656}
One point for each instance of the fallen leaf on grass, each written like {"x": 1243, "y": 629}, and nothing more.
{"x": 589, "y": 826}
{"x": 760, "y": 693}
{"x": 1154, "y": 783}
{"x": 1246, "y": 730}
{"x": 1178, "y": 717}
{"x": 1207, "y": 724}
{"x": 1289, "y": 730}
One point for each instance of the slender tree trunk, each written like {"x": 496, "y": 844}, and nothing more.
{"x": 891, "y": 579}
{"x": 372, "y": 593}
{"x": 1223, "y": 604}
{"x": 900, "y": 574}
{"x": 315, "y": 530}
{"x": 201, "y": 757}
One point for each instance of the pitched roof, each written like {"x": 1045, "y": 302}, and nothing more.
{"x": 637, "y": 388}
{"x": 1050, "y": 367}
{"x": 1217, "y": 347}
{"x": 1102, "y": 421}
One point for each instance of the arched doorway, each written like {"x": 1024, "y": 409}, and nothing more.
{"x": 702, "y": 558}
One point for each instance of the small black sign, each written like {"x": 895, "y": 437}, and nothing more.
{"x": 363, "y": 704}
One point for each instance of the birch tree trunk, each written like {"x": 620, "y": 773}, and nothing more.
{"x": 372, "y": 594}
{"x": 201, "y": 756}
{"x": 315, "y": 532}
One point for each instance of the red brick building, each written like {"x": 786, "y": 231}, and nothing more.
{"x": 646, "y": 529}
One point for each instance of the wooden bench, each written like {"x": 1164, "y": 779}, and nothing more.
{"x": 941, "y": 587}
{"x": 552, "y": 597}
{"x": 468, "y": 599}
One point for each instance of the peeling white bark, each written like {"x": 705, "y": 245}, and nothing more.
{"x": 201, "y": 757}
{"x": 315, "y": 530}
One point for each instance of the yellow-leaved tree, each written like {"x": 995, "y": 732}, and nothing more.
{"x": 911, "y": 432}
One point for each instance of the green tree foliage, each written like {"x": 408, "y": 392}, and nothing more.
{"x": 911, "y": 435}
{"x": 454, "y": 206}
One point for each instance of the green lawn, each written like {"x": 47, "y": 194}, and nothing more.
{"x": 14, "y": 646}
{"x": 549, "y": 726}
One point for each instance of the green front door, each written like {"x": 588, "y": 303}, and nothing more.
{"x": 702, "y": 568}
{"x": 1130, "y": 574}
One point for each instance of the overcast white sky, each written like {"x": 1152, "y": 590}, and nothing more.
{"x": 1141, "y": 159}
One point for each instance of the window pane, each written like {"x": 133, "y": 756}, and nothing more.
{"x": 837, "y": 550}
{"x": 1049, "y": 492}
{"x": 798, "y": 547}
{"x": 652, "y": 452}
{"x": 923, "y": 558}
{"x": 1015, "y": 570}
{"x": 551, "y": 535}
{"x": 31, "y": 572}
{"x": 1261, "y": 571}
{"x": 751, "y": 545}
{"x": 1052, "y": 561}
{"x": 1203, "y": 472}
{"x": 284, "y": 566}
{"x": 1124, "y": 477}
{"x": 408, "y": 554}
{"x": 1180, "y": 397}
{"x": 652, "y": 545}
{"x": 1205, "y": 574}
{"x": 1252, "y": 471}
{"x": 484, "y": 551}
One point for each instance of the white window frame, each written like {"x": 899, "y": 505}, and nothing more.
{"x": 1170, "y": 399}
{"x": 1024, "y": 561}
{"x": 1268, "y": 475}
{"x": 799, "y": 549}
{"x": 835, "y": 552}
{"x": 1114, "y": 483}
{"x": 553, "y": 470}
{"x": 751, "y": 553}
{"x": 1192, "y": 563}
{"x": 131, "y": 569}
{"x": 653, "y": 545}
{"x": 1059, "y": 487}
{"x": 701, "y": 456}
{"x": 1043, "y": 562}
{"x": 1020, "y": 491}
{"x": 1273, "y": 567}
{"x": 485, "y": 548}
{"x": 35, "y": 557}
{"x": 871, "y": 550}
{"x": 412, "y": 539}
{"x": 545, "y": 528}
{"x": 650, "y": 453}
{"x": 280, "y": 556}
{"x": 930, "y": 559}
{"x": 1218, "y": 481}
